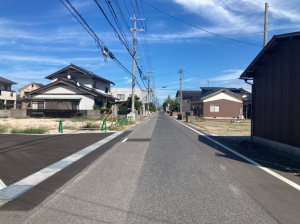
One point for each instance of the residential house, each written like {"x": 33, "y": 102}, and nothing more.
{"x": 7, "y": 96}
{"x": 72, "y": 88}
{"x": 275, "y": 72}
{"x": 27, "y": 89}
{"x": 123, "y": 93}
{"x": 219, "y": 104}
{"x": 239, "y": 91}
{"x": 186, "y": 96}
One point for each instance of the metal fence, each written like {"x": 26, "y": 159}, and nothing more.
{"x": 56, "y": 113}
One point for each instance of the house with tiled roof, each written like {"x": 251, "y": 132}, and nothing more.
{"x": 72, "y": 88}
{"x": 218, "y": 103}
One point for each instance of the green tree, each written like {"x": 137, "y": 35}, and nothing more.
{"x": 172, "y": 102}
{"x": 152, "y": 107}
{"x": 2, "y": 105}
{"x": 127, "y": 106}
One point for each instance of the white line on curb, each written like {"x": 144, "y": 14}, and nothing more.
{"x": 249, "y": 160}
{"x": 125, "y": 139}
{"x": 20, "y": 187}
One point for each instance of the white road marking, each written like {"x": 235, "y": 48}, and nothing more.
{"x": 20, "y": 187}
{"x": 125, "y": 139}
{"x": 2, "y": 184}
{"x": 291, "y": 183}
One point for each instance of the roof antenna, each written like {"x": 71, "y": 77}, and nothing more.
{"x": 208, "y": 84}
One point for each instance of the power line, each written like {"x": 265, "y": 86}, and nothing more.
{"x": 201, "y": 28}
{"x": 96, "y": 38}
{"x": 224, "y": 42}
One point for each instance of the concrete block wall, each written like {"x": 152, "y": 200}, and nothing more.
{"x": 18, "y": 113}
{"x": 4, "y": 113}
{"x": 13, "y": 113}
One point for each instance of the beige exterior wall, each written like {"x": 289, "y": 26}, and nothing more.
{"x": 28, "y": 88}
{"x": 8, "y": 95}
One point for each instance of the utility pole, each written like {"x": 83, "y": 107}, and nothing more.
{"x": 133, "y": 59}
{"x": 149, "y": 89}
{"x": 181, "y": 90}
{"x": 266, "y": 24}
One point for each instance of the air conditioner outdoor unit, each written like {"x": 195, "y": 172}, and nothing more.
{"x": 240, "y": 117}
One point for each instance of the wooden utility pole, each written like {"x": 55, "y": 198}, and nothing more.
{"x": 266, "y": 24}
{"x": 181, "y": 90}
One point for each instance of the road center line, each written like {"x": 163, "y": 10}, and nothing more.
{"x": 249, "y": 160}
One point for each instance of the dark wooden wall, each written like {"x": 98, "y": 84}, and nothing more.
{"x": 276, "y": 89}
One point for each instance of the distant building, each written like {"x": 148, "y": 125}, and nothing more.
{"x": 7, "y": 96}
{"x": 219, "y": 104}
{"x": 27, "y": 89}
{"x": 186, "y": 96}
{"x": 275, "y": 72}
{"x": 122, "y": 95}
{"x": 247, "y": 101}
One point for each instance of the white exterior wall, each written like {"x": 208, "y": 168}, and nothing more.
{"x": 86, "y": 102}
{"x": 223, "y": 96}
{"x": 89, "y": 83}
{"x": 143, "y": 94}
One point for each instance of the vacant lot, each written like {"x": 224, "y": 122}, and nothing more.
{"x": 49, "y": 126}
{"x": 224, "y": 128}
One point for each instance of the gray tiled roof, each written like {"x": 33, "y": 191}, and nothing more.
{"x": 6, "y": 81}
{"x": 189, "y": 93}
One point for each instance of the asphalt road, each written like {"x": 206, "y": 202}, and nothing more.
{"x": 164, "y": 172}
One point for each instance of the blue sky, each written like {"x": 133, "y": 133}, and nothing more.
{"x": 38, "y": 38}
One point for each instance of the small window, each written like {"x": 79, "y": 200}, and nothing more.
{"x": 39, "y": 105}
{"x": 214, "y": 108}
{"x": 32, "y": 85}
{"x": 241, "y": 110}
{"x": 106, "y": 90}
{"x": 75, "y": 105}
{"x": 0, "y": 92}
{"x": 121, "y": 96}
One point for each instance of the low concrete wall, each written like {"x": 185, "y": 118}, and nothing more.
{"x": 96, "y": 113}
{"x": 122, "y": 116}
{"x": 190, "y": 119}
{"x": 4, "y": 113}
{"x": 18, "y": 113}
{"x": 13, "y": 113}
{"x": 279, "y": 148}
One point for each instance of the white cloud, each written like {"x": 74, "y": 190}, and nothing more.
{"x": 46, "y": 60}
{"x": 127, "y": 80}
{"x": 234, "y": 75}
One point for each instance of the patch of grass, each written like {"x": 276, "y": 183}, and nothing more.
{"x": 237, "y": 124}
{"x": 25, "y": 117}
{"x": 45, "y": 117}
{"x": 3, "y": 128}
{"x": 3, "y": 116}
{"x": 69, "y": 127}
{"x": 29, "y": 131}
{"x": 91, "y": 125}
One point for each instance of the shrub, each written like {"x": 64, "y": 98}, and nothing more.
{"x": 29, "y": 131}
{"x": 91, "y": 125}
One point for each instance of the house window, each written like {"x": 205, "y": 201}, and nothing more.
{"x": 32, "y": 85}
{"x": 214, "y": 108}
{"x": 241, "y": 110}
{"x": 95, "y": 85}
{"x": 75, "y": 105}
{"x": 106, "y": 90}
{"x": 0, "y": 92}
{"x": 121, "y": 96}
{"x": 7, "y": 87}
{"x": 38, "y": 105}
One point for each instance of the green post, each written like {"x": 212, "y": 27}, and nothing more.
{"x": 103, "y": 124}
{"x": 60, "y": 127}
